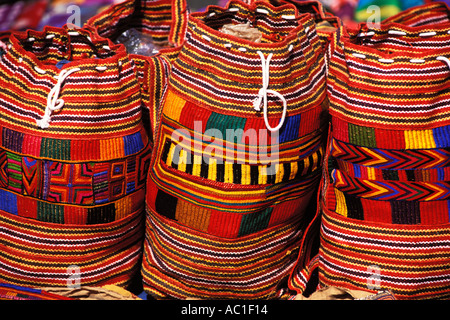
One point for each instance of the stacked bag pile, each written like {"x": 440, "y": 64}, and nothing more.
{"x": 252, "y": 145}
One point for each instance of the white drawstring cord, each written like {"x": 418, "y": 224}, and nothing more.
{"x": 53, "y": 103}
{"x": 446, "y": 60}
{"x": 262, "y": 94}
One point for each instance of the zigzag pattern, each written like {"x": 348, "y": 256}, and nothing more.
{"x": 3, "y": 169}
{"x": 391, "y": 190}
{"x": 32, "y": 175}
{"x": 391, "y": 159}
{"x": 371, "y": 173}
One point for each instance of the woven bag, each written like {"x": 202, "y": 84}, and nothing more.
{"x": 237, "y": 157}
{"x": 385, "y": 222}
{"x": 73, "y": 161}
{"x": 428, "y": 14}
{"x": 165, "y": 22}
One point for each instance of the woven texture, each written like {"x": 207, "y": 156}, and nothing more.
{"x": 72, "y": 188}
{"x": 386, "y": 191}
{"x": 165, "y": 21}
{"x": 219, "y": 225}
{"x": 12, "y": 292}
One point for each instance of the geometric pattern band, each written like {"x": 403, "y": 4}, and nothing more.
{"x": 383, "y": 138}
{"x": 32, "y": 208}
{"x": 227, "y": 223}
{"x": 391, "y": 190}
{"x": 72, "y": 150}
{"x": 82, "y": 183}
{"x": 372, "y": 173}
{"x": 391, "y": 159}
{"x": 223, "y": 170}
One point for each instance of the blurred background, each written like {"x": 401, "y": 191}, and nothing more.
{"x": 35, "y": 14}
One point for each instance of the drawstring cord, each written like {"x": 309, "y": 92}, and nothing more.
{"x": 445, "y": 59}
{"x": 262, "y": 94}
{"x": 53, "y": 102}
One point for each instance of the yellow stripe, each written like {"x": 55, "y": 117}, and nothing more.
{"x": 262, "y": 179}
{"x": 228, "y": 172}
{"x": 196, "y": 166}
{"x": 173, "y": 106}
{"x": 341, "y": 205}
{"x": 112, "y": 148}
{"x": 294, "y": 169}
{"x": 212, "y": 169}
{"x": 182, "y": 160}
{"x": 245, "y": 174}
{"x": 371, "y": 175}
{"x": 419, "y": 139}
{"x": 279, "y": 169}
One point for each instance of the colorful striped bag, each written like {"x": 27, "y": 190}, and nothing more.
{"x": 237, "y": 157}
{"x": 73, "y": 161}
{"x": 386, "y": 195}
{"x": 165, "y": 22}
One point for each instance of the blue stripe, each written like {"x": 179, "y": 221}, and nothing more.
{"x": 289, "y": 131}
{"x": 442, "y": 136}
{"x": 8, "y": 202}
{"x": 133, "y": 143}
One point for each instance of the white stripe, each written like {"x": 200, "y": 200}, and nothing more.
{"x": 288, "y": 17}
{"x": 264, "y": 11}
{"x": 39, "y": 70}
{"x": 386, "y": 60}
{"x": 366, "y": 34}
{"x": 358, "y": 55}
{"x": 397, "y": 32}
{"x": 427, "y": 34}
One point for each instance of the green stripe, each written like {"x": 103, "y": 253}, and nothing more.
{"x": 55, "y": 149}
{"x": 48, "y": 212}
